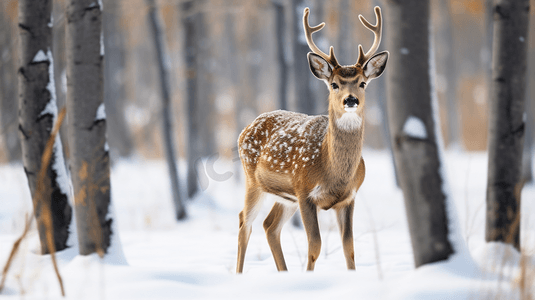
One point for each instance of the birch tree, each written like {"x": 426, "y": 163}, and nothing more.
{"x": 280, "y": 29}
{"x": 302, "y": 76}
{"x": 507, "y": 120}
{"x": 412, "y": 127}
{"x": 89, "y": 159}
{"x": 37, "y": 114}
{"x": 8, "y": 86}
{"x": 114, "y": 87}
{"x": 190, "y": 59}
{"x": 167, "y": 125}
{"x": 445, "y": 63}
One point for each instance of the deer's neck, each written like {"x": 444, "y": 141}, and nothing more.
{"x": 344, "y": 147}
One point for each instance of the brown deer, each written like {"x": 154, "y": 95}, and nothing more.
{"x": 311, "y": 162}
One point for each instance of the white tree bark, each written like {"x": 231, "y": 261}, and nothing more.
{"x": 37, "y": 114}
{"x": 412, "y": 127}
{"x": 507, "y": 120}
{"x": 89, "y": 157}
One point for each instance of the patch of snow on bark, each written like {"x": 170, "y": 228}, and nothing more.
{"x": 101, "y": 113}
{"x": 40, "y": 57}
{"x": 415, "y": 127}
{"x": 102, "y": 42}
{"x": 64, "y": 81}
{"x": 62, "y": 178}
{"x": 51, "y": 107}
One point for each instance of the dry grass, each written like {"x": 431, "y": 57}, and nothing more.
{"x": 525, "y": 280}
{"x": 14, "y": 250}
{"x": 47, "y": 215}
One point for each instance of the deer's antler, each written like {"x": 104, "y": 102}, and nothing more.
{"x": 377, "y": 31}
{"x": 331, "y": 59}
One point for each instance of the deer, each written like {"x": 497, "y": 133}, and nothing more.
{"x": 311, "y": 162}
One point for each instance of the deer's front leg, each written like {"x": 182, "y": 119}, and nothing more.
{"x": 309, "y": 214}
{"x": 344, "y": 216}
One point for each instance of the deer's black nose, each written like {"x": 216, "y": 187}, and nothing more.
{"x": 351, "y": 101}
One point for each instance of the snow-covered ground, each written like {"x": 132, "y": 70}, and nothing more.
{"x": 196, "y": 259}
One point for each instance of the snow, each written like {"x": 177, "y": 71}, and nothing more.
{"x": 62, "y": 178}
{"x": 94, "y": 4}
{"x": 102, "y": 52}
{"x": 195, "y": 259}
{"x": 51, "y": 107}
{"x": 414, "y": 127}
{"x": 40, "y": 57}
{"x": 101, "y": 112}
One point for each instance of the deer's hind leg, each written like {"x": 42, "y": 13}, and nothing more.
{"x": 250, "y": 210}
{"x": 277, "y": 217}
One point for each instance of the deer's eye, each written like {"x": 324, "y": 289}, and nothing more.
{"x": 363, "y": 84}
{"x": 334, "y": 85}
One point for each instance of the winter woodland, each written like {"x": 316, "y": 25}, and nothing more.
{"x": 122, "y": 177}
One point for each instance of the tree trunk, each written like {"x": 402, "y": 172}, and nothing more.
{"x": 114, "y": 88}
{"x": 317, "y": 87}
{"x": 280, "y": 29}
{"x": 506, "y": 120}
{"x": 190, "y": 59}
{"x": 37, "y": 114}
{"x": 413, "y": 129}
{"x": 527, "y": 159}
{"x": 8, "y": 87}
{"x": 232, "y": 72}
{"x": 205, "y": 89}
{"x": 529, "y": 142}
{"x": 488, "y": 43}
{"x": 247, "y": 41}
{"x": 381, "y": 87}
{"x": 165, "y": 90}
{"x": 445, "y": 41}
{"x": 89, "y": 163}
{"x": 344, "y": 38}
{"x": 302, "y": 74}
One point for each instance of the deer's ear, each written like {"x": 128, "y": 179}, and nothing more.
{"x": 375, "y": 66}
{"x": 319, "y": 66}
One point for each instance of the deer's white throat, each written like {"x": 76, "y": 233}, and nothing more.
{"x": 349, "y": 121}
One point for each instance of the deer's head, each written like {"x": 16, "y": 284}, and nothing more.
{"x": 347, "y": 84}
